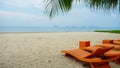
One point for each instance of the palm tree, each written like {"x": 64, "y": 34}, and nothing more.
{"x": 54, "y": 7}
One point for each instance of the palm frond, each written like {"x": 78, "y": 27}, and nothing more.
{"x": 54, "y": 7}
{"x": 102, "y": 4}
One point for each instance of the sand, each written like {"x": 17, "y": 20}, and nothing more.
{"x": 42, "y": 50}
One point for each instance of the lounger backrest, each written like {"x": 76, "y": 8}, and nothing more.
{"x": 116, "y": 42}
{"x": 99, "y": 51}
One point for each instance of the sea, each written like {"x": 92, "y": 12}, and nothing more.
{"x": 55, "y": 29}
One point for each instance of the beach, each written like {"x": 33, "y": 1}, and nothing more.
{"x": 43, "y": 50}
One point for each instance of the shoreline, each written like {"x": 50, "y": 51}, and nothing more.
{"x": 56, "y": 32}
{"x": 50, "y": 32}
{"x": 99, "y": 31}
{"x": 117, "y": 31}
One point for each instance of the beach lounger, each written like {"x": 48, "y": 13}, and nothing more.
{"x": 111, "y": 53}
{"x": 117, "y": 42}
{"x": 95, "y": 58}
{"x": 115, "y": 51}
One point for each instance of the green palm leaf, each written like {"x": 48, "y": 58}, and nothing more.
{"x": 102, "y": 4}
{"x": 54, "y": 7}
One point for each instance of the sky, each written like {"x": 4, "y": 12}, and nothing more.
{"x": 31, "y": 13}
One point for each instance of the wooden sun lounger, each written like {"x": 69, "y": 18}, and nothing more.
{"x": 97, "y": 56}
{"x": 111, "y": 42}
{"x": 115, "y": 51}
{"x": 109, "y": 54}
{"x": 92, "y": 57}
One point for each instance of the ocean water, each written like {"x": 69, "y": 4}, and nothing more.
{"x": 53, "y": 29}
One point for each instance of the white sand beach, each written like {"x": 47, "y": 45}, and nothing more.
{"x": 42, "y": 50}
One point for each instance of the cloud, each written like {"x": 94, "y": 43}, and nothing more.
{"x": 21, "y": 19}
{"x": 114, "y": 15}
{"x": 7, "y": 14}
{"x": 22, "y": 3}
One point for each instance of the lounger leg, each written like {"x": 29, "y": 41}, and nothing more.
{"x": 106, "y": 65}
{"x": 66, "y": 54}
{"x": 117, "y": 61}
